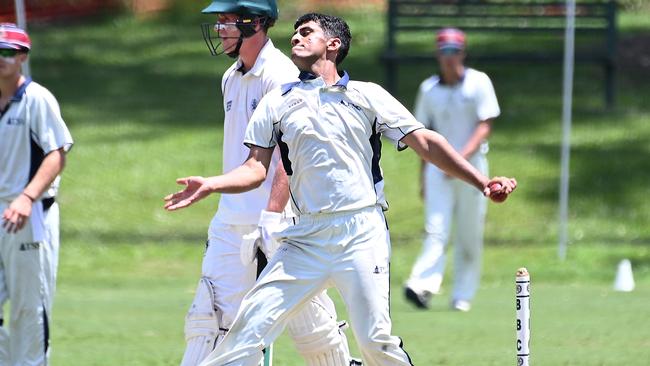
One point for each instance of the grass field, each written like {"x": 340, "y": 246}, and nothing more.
{"x": 141, "y": 97}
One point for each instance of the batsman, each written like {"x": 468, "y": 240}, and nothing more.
{"x": 243, "y": 223}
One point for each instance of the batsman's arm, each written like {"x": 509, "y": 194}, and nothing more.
{"x": 15, "y": 216}
{"x": 279, "y": 196}
{"x": 481, "y": 133}
{"x": 434, "y": 148}
{"x": 244, "y": 178}
{"x": 50, "y": 168}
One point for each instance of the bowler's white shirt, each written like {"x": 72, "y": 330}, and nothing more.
{"x": 330, "y": 142}
{"x": 242, "y": 93}
{"x": 455, "y": 110}
{"x": 30, "y": 128}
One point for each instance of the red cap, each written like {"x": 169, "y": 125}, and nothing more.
{"x": 12, "y": 37}
{"x": 450, "y": 38}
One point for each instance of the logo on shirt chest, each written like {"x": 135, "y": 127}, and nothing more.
{"x": 228, "y": 105}
{"x": 253, "y": 104}
{"x": 29, "y": 246}
{"x": 348, "y": 104}
{"x": 295, "y": 103}
{"x": 15, "y": 121}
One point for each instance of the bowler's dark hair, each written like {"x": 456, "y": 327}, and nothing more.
{"x": 333, "y": 27}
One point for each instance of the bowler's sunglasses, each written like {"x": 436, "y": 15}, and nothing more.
{"x": 7, "y": 52}
{"x": 449, "y": 51}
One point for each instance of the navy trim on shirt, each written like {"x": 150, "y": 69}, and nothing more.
{"x": 284, "y": 154}
{"x": 285, "y": 88}
{"x": 18, "y": 95}
{"x": 375, "y": 143}
{"x": 344, "y": 80}
{"x": 460, "y": 80}
{"x": 306, "y": 76}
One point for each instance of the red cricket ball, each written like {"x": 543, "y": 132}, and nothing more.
{"x": 496, "y": 194}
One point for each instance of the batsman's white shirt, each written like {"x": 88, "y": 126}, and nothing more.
{"x": 329, "y": 140}
{"x": 450, "y": 204}
{"x": 242, "y": 93}
{"x": 30, "y": 128}
{"x": 454, "y": 111}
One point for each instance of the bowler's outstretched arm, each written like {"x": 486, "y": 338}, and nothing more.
{"x": 246, "y": 177}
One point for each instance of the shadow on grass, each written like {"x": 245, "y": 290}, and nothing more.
{"x": 114, "y": 237}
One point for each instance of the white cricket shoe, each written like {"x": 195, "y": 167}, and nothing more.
{"x": 461, "y": 305}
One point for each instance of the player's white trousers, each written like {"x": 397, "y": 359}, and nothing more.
{"x": 314, "y": 330}
{"x": 451, "y": 206}
{"x": 28, "y": 264}
{"x": 350, "y": 251}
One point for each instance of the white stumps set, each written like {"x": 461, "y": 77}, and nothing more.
{"x": 522, "y": 296}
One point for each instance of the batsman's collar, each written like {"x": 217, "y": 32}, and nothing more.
{"x": 460, "y": 80}
{"x": 260, "y": 61}
{"x": 343, "y": 81}
{"x": 18, "y": 95}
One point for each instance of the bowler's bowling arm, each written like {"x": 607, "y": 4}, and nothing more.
{"x": 434, "y": 148}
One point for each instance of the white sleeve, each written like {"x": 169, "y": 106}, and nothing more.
{"x": 46, "y": 124}
{"x": 393, "y": 119}
{"x": 260, "y": 129}
{"x": 421, "y": 110}
{"x": 225, "y": 77}
{"x": 287, "y": 73}
{"x": 487, "y": 106}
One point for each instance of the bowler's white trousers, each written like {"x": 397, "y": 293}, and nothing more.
{"x": 28, "y": 264}
{"x": 348, "y": 250}
{"x": 314, "y": 329}
{"x": 451, "y": 203}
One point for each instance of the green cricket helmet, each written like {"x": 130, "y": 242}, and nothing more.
{"x": 251, "y": 13}
{"x": 264, "y": 8}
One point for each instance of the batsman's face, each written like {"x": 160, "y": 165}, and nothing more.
{"x": 11, "y": 62}
{"x": 309, "y": 43}
{"x": 228, "y": 31}
{"x": 450, "y": 60}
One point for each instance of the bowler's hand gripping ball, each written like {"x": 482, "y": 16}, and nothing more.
{"x": 496, "y": 193}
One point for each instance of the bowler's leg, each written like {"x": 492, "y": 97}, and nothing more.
{"x": 289, "y": 280}
{"x": 363, "y": 281}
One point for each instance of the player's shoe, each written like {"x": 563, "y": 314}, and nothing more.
{"x": 420, "y": 300}
{"x": 355, "y": 362}
{"x": 461, "y": 305}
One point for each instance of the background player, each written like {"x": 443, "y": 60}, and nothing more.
{"x": 328, "y": 128}
{"x": 33, "y": 143}
{"x": 241, "y": 32}
{"x": 460, "y": 104}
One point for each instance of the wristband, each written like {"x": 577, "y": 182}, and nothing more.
{"x": 28, "y": 196}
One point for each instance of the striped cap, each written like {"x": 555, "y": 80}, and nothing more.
{"x": 12, "y": 37}
{"x": 450, "y": 38}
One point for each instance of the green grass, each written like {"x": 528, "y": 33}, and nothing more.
{"x": 142, "y": 99}
{"x": 124, "y": 304}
